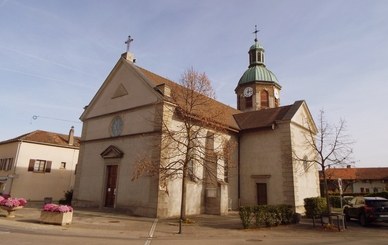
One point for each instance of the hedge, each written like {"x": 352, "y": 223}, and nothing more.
{"x": 266, "y": 215}
{"x": 314, "y": 206}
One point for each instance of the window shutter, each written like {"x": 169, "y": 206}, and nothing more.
{"x": 31, "y": 165}
{"x": 48, "y": 167}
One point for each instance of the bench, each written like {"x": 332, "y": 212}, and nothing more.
{"x": 339, "y": 217}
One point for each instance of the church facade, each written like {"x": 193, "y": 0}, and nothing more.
{"x": 121, "y": 124}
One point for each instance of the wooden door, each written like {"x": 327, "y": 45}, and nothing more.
{"x": 110, "y": 189}
{"x": 261, "y": 193}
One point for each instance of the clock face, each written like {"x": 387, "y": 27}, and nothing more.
{"x": 248, "y": 91}
{"x": 116, "y": 126}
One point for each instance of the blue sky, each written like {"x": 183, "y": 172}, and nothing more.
{"x": 54, "y": 55}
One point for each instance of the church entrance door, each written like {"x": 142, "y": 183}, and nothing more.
{"x": 261, "y": 193}
{"x": 110, "y": 189}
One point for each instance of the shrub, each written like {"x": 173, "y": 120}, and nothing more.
{"x": 246, "y": 215}
{"x": 314, "y": 206}
{"x": 335, "y": 201}
{"x": 68, "y": 198}
{"x": 286, "y": 214}
{"x": 266, "y": 215}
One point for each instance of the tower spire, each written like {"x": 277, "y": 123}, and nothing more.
{"x": 255, "y": 32}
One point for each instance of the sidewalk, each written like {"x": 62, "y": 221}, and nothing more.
{"x": 97, "y": 223}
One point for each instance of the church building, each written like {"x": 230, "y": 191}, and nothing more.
{"x": 121, "y": 124}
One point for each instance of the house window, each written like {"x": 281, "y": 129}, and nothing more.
{"x": 264, "y": 99}
{"x": 63, "y": 165}
{"x": 39, "y": 166}
{"x": 6, "y": 164}
{"x": 362, "y": 189}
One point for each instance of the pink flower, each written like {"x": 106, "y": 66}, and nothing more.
{"x": 13, "y": 202}
{"x": 50, "y": 207}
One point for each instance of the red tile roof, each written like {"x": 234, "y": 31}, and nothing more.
{"x": 234, "y": 118}
{"x": 227, "y": 110}
{"x": 44, "y": 137}
{"x": 357, "y": 173}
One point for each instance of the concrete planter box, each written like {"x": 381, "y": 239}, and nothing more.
{"x": 56, "y": 218}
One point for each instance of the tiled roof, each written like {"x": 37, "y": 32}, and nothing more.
{"x": 229, "y": 111}
{"x": 261, "y": 118}
{"x": 357, "y": 173}
{"x": 266, "y": 117}
{"x": 44, "y": 137}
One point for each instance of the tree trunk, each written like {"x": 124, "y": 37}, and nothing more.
{"x": 326, "y": 193}
{"x": 183, "y": 199}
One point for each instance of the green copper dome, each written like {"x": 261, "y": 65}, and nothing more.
{"x": 258, "y": 74}
{"x": 256, "y": 45}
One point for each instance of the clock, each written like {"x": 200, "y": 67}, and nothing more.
{"x": 248, "y": 91}
{"x": 116, "y": 126}
{"x": 276, "y": 93}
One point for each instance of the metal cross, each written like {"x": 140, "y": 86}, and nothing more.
{"x": 255, "y": 32}
{"x": 128, "y": 42}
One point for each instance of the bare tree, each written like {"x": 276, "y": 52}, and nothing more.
{"x": 330, "y": 146}
{"x": 193, "y": 137}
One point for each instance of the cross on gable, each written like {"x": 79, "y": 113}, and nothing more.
{"x": 128, "y": 42}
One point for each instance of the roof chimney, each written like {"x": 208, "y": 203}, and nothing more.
{"x": 71, "y": 136}
{"x": 348, "y": 166}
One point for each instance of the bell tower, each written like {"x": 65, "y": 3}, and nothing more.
{"x": 258, "y": 87}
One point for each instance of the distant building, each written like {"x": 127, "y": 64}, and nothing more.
{"x": 357, "y": 180}
{"x": 38, "y": 164}
{"x": 120, "y": 123}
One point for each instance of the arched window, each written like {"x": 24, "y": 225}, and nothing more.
{"x": 264, "y": 99}
{"x": 248, "y": 102}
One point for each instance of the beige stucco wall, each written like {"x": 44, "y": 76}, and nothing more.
{"x": 137, "y": 197}
{"x": 139, "y": 91}
{"x": 137, "y": 108}
{"x": 263, "y": 160}
{"x": 371, "y": 185}
{"x": 37, "y": 186}
{"x": 170, "y": 203}
{"x": 267, "y": 157}
{"x": 306, "y": 180}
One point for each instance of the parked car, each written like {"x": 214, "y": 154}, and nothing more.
{"x": 367, "y": 209}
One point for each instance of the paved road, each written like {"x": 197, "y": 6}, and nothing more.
{"x": 90, "y": 227}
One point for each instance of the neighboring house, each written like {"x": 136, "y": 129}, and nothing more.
{"x": 120, "y": 124}
{"x": 38, "y": 164}
{"x": 357, "y": 180}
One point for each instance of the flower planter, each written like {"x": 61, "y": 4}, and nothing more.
{"x": 10, "y": 210}
{"x": 56, "y": 218}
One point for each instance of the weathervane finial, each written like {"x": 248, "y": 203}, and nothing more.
{"x": 128, "y": 42}
{"x": 255, "y": 32}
